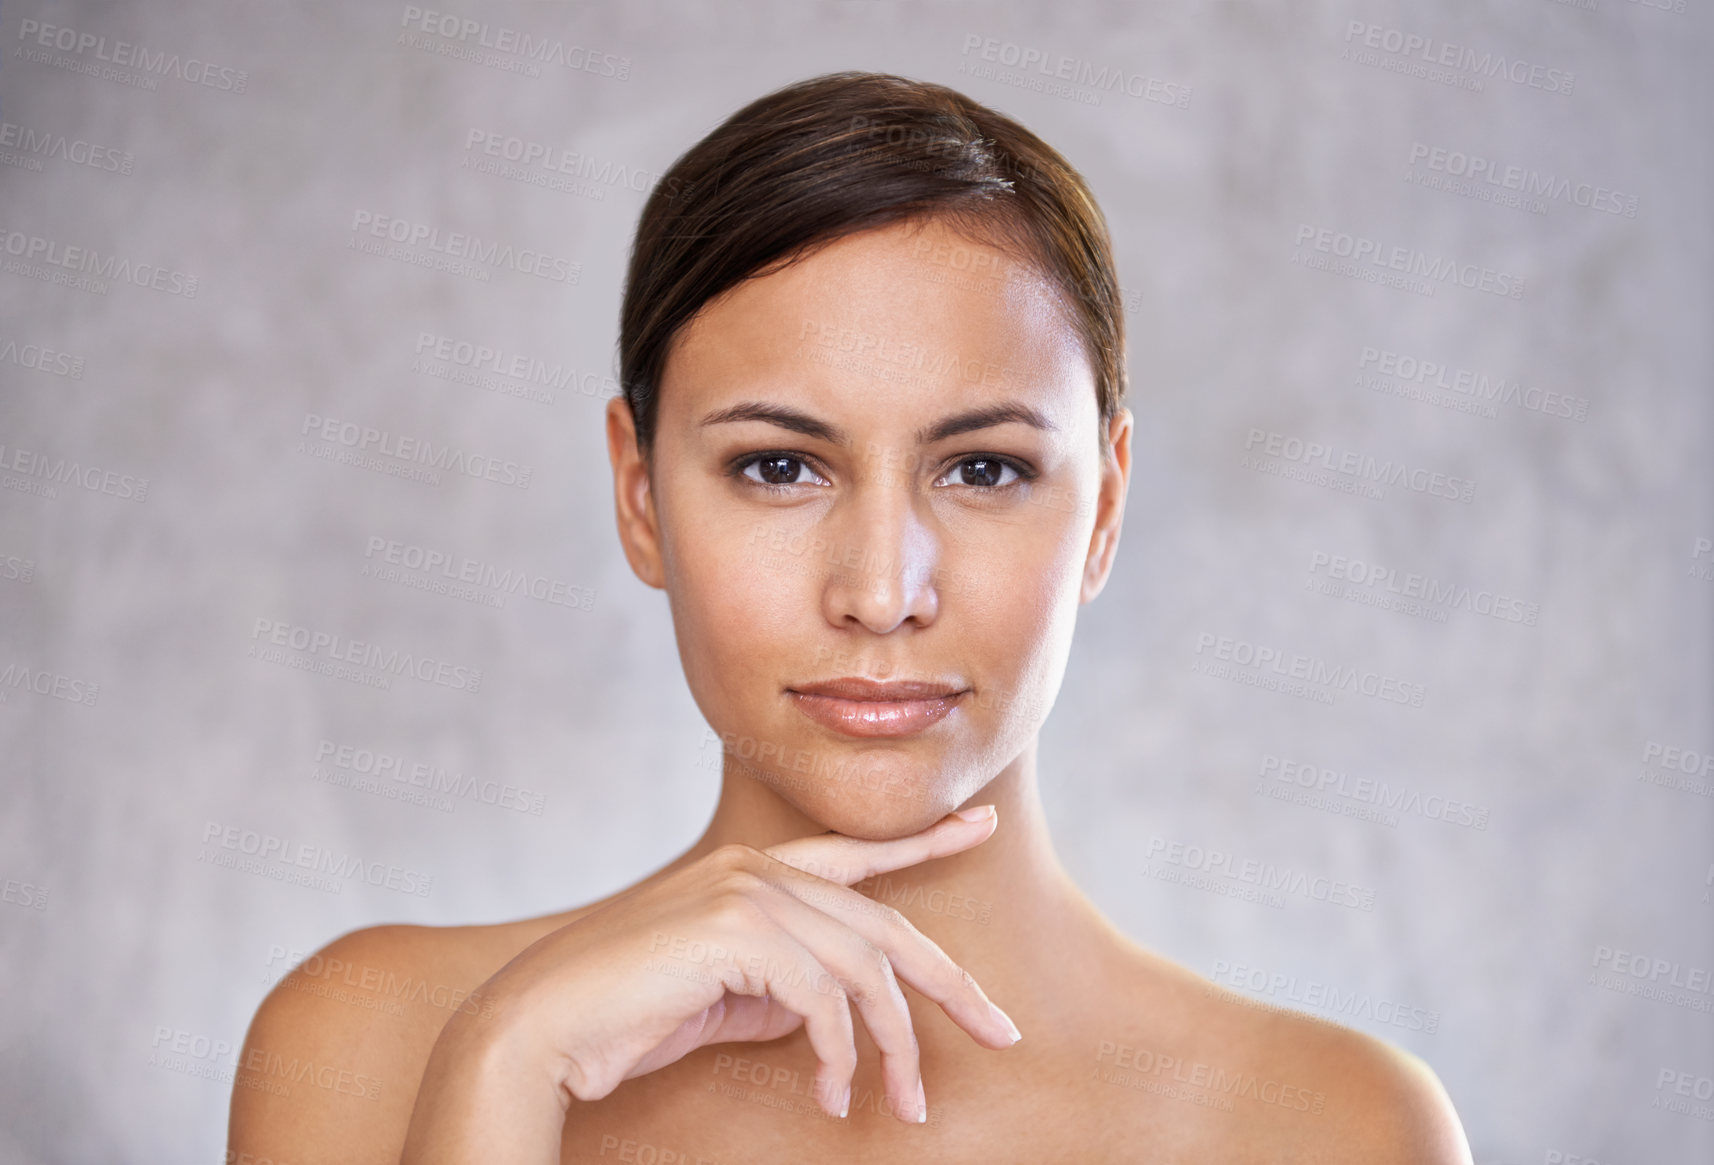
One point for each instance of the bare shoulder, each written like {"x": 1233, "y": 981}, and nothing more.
{"x": 1275, "y": 1084}
{"x": 333, "y": 1058}
{"x": 1382, "y": 1103}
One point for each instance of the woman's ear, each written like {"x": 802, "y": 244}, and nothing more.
{"x": 633, "y": 499}
{"x": 1109, "y": 506}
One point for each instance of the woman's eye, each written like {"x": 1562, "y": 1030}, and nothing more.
{"x": 778, "y": 469}
{"x": 983, "y": 472}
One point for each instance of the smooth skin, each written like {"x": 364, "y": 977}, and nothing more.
{"x": 866, "y": 463}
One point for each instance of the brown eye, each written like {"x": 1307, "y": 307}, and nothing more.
{"x": 985, "y": 472}
{"x": 779, "y": 469}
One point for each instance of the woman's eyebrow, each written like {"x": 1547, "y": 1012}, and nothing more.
{"x": 983, "y": 418}
{"x": 781, "y": 415}
{"x": 801, "y": 422}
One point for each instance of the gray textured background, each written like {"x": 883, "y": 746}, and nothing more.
{"x": 115, "y": 927}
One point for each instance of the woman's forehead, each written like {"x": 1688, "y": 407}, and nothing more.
{"x": 910, "y": 306}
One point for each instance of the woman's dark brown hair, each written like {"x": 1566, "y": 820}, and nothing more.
{"x": 844, "y": 152}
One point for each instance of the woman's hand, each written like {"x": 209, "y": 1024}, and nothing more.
{"x": 742, "y": 944}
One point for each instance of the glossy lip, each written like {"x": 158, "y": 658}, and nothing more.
{"x": 855, "y": 706}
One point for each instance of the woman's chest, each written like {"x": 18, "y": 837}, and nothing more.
{"x": 750, "y": 1104}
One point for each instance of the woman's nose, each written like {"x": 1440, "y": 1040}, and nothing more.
{"x": 882, "y": 568}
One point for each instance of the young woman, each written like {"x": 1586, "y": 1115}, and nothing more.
{"x": 872, "y": 447}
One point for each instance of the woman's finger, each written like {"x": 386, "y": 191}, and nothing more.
{"x": 867, "y": 976}
{"x": 749, "y": 954}
{"x": 798, "y": 981}
{"x": 848, "y": 860}
{"x": 915, "y": 958}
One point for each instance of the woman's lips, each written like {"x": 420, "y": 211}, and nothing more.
{"x": 859, "y": 707}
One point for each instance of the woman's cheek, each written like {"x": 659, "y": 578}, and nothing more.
{"x": 751, "y": 609}
{"x": 1021, "y": 568}
{"x": 711, "y": 583}
{"x": 1027, "y": 616}
{"x": 715, "y": 562}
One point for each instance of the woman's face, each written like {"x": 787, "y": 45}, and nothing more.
{"x": 880, "y": 465}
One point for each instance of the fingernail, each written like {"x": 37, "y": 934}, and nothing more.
{"x": 922, "y": 1104}
{"x": 975, "y": 813}
{"x": 845, "y": 1103}
{"x": 1005, "y": 1021}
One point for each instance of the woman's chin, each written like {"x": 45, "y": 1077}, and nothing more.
{"x": 875, "y": 802}
{"x": 881, "y": 814}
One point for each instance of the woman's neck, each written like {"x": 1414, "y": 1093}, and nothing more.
{"x": 1005, "y": 910}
